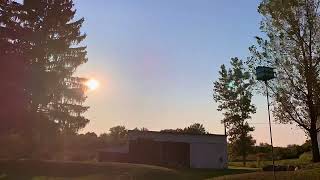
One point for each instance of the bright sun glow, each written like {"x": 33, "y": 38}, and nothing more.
{"x": 92, "y": 84}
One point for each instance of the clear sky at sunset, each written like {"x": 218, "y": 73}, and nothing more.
{"x": 156, "y": 61}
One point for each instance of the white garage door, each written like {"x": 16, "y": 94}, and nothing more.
{"x": 208, "y": 155}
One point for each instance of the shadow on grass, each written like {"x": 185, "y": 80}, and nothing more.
{"x": 27, "y": 169}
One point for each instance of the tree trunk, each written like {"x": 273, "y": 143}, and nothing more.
{"x": 313, "y": 112}
{"x": 244, "y": 159}
{"x": 315, "y": 147}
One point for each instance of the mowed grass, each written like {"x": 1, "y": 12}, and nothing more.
{"x": 51, "y": 170}
{"x": 303, "y": 174}
{"x": 255, "y": 164}
{"x": 186, "y": 174}
{"x": 309, "y": 171}
{"x": 304, "y": 160}
{"x": 201, "y": 174}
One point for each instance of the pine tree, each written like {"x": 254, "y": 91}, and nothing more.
{"x": 233, "y": 93}
{"x": 56, "y": 93}
{"x": 13, "y": 67}
{"x": 39, "y": 53}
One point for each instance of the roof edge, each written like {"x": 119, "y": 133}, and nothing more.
{"x": 173, "y": 133}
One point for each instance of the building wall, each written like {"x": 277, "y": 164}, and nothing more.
{"x": 116, "y": 153}
{"x": 159, "y": 153}
{"x": 206, "y": 151}
{"x": 206, "y": 155}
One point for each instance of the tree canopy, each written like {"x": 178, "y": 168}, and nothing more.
{"x": 193, "y": 129}
{"x": 40, "y": 42}
{"x": 291, "y": 46}
{"x": 233, "y": 93}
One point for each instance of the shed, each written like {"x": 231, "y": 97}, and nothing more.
{"x": 162, "y": 148}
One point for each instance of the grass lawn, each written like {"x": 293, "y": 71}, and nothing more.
{"x": 304, "y": 160}
{"x": 186, "y": 174}
{"x": 50, "y": 170}
{"x": 42, "y": 170}
{"x": 254, "y": 164}
{"x": 303, "y": 174}
{"x": 201, "y": 174}
{"x": 309, "y": 171}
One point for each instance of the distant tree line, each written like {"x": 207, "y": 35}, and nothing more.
{"x": 262, "y": 152}
{"x": 79, "y": 147}
{"x": 193, "y": 129}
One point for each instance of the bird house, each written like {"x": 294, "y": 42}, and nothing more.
{"x": 264, "y": 73}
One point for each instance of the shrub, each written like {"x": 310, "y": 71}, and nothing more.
{"x": 305, "y": 157}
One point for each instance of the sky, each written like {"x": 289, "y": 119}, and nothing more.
{"x": 156, "y": 61}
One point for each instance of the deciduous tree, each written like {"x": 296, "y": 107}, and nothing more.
{"x": 193, "y": 129}
{"x": 291, "y": 46}
{"x": 118, "y": 132}
{"x": 233, "y": 93}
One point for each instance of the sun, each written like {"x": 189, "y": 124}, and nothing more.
{"x": 92, "y": 84}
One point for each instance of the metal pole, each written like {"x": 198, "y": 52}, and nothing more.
{"x": 273, "y": 168}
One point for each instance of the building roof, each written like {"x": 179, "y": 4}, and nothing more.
{"x": 176, "y": 137}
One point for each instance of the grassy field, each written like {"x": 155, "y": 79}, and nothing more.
{"x": 302, "y": 161}
{"x": 42, "y": 170}
{"x": 201, "y": 174}
{"x": 303, "y": 174}
{"x": 308, "y": 171}
{"x": 186, "y": 174}
{"x": 254, "y": 164}
{"x": 49, "y": 170}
